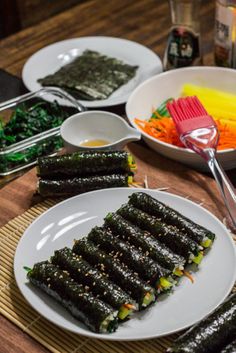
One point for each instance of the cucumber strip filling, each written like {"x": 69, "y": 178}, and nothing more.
{"x": 130, "y": 179}
{"x": 131, "y": 162}
{"x": 124, "y": 312}
{"x": 166, "y": 283}
{"x": 148, "y": 299}
{"x": 207, "y": 243}
{"x": 198, "y": 259}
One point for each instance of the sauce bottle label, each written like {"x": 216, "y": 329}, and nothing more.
{"x": 225, "y": 36}
{"x": 183, "y": 48}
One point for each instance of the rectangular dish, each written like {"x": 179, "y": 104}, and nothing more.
{"x": 24, "y": 153}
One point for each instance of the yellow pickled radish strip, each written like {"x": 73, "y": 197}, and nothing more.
{"x": 218, "y": 103}
{"x": 220, "y": 114}
{"x": 190, "y": 88}
{"x": 217, "y": 106}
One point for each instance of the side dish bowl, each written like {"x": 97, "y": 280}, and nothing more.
{"x": 97, "y": 130}
{"x": 154, "y": 91}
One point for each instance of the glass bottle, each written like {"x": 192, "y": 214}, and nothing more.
{"x": 183, "y": 46}
{"x": 225, "y": 33}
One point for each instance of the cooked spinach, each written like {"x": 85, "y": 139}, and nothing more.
{"x": 27, "y": 122}
{"x": 17, "y": 159}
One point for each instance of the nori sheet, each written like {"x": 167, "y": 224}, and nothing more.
{"x": 91, "y": 76}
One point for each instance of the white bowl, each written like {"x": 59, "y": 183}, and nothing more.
{"x": 157, "y": 89}
{"x": 97, "y": 125}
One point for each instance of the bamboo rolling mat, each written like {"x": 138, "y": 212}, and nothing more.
{"x": 15, "y": 308}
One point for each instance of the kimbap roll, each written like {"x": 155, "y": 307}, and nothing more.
{"x": 98, "y": 284}
{"x": 230, "y": 348}
{"x": 85, "y": 163}
{"x": 168, "y": 235}
{"x": 117, "y": 272}
{"x": 94, "y": 313}
{"x": 156, "y": 250}
{"x": 77, "y": 185}
{"x": 137, "y": 261}
{"x": 168, "y": 215}
{"x": 211, "y": 334}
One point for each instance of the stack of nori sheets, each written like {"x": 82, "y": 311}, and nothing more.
{"x": 139, "y": 252}
{"x": 91, "y": 76}
{"x": 67, "y": 175}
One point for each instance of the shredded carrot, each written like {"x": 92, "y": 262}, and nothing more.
{"x": 164, "y": 130}
{"x": 129, "y": 306}
{"x": 187, "y": 274}
{"x": 227, "y": 136}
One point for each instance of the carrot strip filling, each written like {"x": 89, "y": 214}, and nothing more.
{"x": 164, "y": 130}
{"x": 187, "y": 274}
{"x": 129, "y": 306}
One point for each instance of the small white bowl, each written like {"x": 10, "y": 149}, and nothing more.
{"x": 157, "y": 89}
{"x": 97, "y": 125}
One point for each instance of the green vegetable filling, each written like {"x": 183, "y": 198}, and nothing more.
{"x": 130, "y": 179}
{"x": 149, "y": 297}
{"x": 207, "y": 243}
{"x": 165, "y": 283}
{"x": 198, "y": 259}
{"x": 124, "y": 312}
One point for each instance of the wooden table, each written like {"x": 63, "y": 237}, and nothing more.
{"x": 144, "y": 21}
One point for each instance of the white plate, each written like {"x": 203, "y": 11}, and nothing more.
{"x": 49, "y": 59}
{"x": 73, "y": 218}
